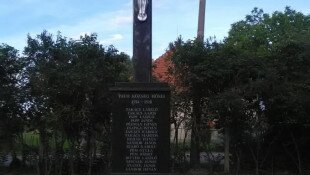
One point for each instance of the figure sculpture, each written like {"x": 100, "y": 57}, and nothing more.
{"x": 142, "y": 4}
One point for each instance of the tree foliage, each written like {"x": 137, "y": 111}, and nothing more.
{"x": 68, "y": 95}
{"x": 10, "y": 99}
{"x": 255, "y": 82}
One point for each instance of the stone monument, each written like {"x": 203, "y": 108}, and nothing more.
{"x": 141, "y": 110}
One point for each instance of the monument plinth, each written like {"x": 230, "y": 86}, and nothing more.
{"x": 141, "y": 129}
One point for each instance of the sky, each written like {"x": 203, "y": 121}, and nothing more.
{"x": 112, "y": 19}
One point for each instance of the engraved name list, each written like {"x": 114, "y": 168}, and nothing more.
{"x": 140, "y": 125}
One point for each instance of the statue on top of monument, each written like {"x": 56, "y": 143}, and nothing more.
{"x": 142, "y": 4}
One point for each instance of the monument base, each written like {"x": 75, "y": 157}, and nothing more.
{"x": 141, "y": 129}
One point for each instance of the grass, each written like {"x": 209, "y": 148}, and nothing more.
{"x": 32, "y": 139}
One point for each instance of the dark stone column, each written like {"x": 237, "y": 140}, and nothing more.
{"x": 142, "y": 44}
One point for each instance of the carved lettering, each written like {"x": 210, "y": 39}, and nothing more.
{"x": 141, "y": 134}
{"x": 141, "y": 114}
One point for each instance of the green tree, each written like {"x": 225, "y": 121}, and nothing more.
{"x": 69, "y": 97}
{"x": 202, "y": 70}
{"x": 257, "y": 78}
{"x": 271, "y": 67}
{"x": 11, "y": 120}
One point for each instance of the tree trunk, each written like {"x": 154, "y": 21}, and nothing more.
{"x": 185, "y": 137}
{"x": 291, "y": 156}
{"x": 91, "y": 146}
{"x": 43, "y": 155}
{"x": 176, "y": 134}
{"x": 176, "y": 146}
{"x": 23, "y": 149}
{"x": 272, "y": 165}
{"x": 71, "y": 158}
{"x": 195, "y": 141}
{"x": 298, "y": 154}
{"x": 269, "y": 150}
{"x": 58, "y": 153}
{"x": 257, "y": 156}
{"x": 194, "y": 160}
{"x": 255, "y": 159}
{"x": 226, "y": 159}
{"x": 238, "y": 161}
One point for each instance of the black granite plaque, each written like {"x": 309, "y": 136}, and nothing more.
{"x": 141, "y": 129}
